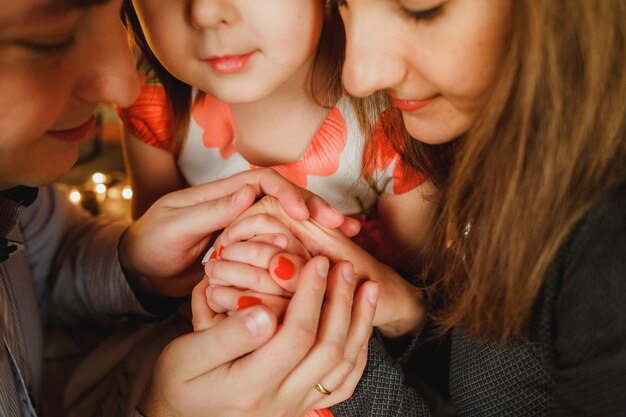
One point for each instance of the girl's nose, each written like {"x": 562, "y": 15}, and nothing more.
{"x": 205, "y": 14}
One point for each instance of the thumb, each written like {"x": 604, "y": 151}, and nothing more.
{"x": 200, "y": 220}
{"x": 196, "y": 354}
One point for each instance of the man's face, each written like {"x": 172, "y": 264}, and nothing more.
{"x": 58, "y": 60}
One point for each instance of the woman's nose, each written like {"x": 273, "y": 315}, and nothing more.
{"x": 370, "y": 63}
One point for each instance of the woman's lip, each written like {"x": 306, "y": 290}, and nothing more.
{"x": 411, "y": 105}
{"x": 78, "y": 133}
{"x": 229, "y": 64}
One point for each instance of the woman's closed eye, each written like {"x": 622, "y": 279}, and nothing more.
{"x": 419, "y": 15}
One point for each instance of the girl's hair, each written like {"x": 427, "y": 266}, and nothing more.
{"x": 549, "y": 144}
{"x": 329, "y": 54}
{"x": 178, "y": 93}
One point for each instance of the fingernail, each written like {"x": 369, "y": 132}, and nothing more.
{"x": 220, "y": 250}
{"x": 246, "y": 301}
{"x": 322, "y": 268}
{"x": 257, "y": 322}
{"x": 210, "y": 255}
{"x": 238, "y": 196}
{"x": 372, "y": 293}
{"x": 281, "y": 242}
{"x": 285, "y": 268}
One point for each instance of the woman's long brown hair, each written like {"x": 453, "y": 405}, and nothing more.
{"x": 550, "y": 142}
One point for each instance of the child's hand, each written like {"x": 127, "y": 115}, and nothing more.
{"x": 208, "y": 304}
{"x": 264, "y": 259}
{"x": 401, "y": 307}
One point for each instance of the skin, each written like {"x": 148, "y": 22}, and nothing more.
{"x": 271, "y": 94}
{"x": 57, "y": 89}
{"x": 247, "y": 263}
{"x": 453, "y": 57}
{"x": 447, "y": 50}
{"x": 282, "y": 35}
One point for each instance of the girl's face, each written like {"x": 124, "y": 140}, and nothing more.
{"x": 240, "y": 51}
{"x": 436, "y": 59}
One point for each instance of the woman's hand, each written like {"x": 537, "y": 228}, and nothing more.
{"x": 243, "y": 366}
{"x": 401, "y": 308}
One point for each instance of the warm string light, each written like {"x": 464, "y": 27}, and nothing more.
{"x": 75, "y": 196}
{"x": 104, "y": 193}
{"x": 127, "y": 193}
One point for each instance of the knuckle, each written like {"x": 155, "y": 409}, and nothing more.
{"x": 250, "y": 403}
{"x": 258, "y": 279}
{"x": 346, "y": 367}
{"x": 254, "y": 251}
{"x": 303, "y": 337}
{"x": 333, "y": 351}
{"x": 344, "y": 392}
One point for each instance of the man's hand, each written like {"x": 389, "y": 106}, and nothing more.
{"x": 172, "y": 235}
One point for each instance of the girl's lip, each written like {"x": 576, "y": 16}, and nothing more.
{"x": 78, "y": 133}
{"x": 229, "y": 64}
{"x": 411, "y": 105}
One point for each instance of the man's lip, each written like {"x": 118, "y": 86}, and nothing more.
{"x": 411, "y": 105}
{"x": 80, "y": 132}
{"x": 229, "y": 64}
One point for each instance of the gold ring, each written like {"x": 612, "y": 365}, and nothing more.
{"x": 322, "y": 390}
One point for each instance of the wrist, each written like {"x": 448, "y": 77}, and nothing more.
{"x": 401, "y": 307}
{"x": 141, "y": 285}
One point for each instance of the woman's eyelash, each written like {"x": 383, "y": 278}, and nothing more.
{"x": 424, "y": 15}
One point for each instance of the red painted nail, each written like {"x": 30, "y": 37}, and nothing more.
{"x": 246, "y": 301}
{"x": 213, "y": 256}
{"x": 284, "y": 269}
{"x": 220, "y": 250}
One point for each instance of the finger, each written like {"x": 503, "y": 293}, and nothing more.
{"x": 254, "y": 225}
{"x": 298, "y": 203}
{"x": 346, "y": 389}
{"x": 359, "y": 334}
{"x": 329, "y": 348}
{"x": 284, "y": 269}
{"x": 253, "y": 253}
{"x": 350, "y": 227}
{"x": 243, "y": 276}
{"x": 233, "y": 299}
{"x": 196, "y": 222}
{"x": 212, "y": 303}
{"x": 298, "y": 332}
{"x": 261, "y": 181}
{"x": 202, "y": 315}
{"x": 195, "y": 354}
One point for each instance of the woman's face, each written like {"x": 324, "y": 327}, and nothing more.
{"x": 436, "y": 59}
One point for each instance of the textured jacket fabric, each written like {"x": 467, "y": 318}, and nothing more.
{"x": 64, "y": 268}
{"x": 574, "y": 361}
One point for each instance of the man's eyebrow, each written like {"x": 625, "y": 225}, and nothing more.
{"x": 63, "y": 5}
{"x": 49, "y": 9}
